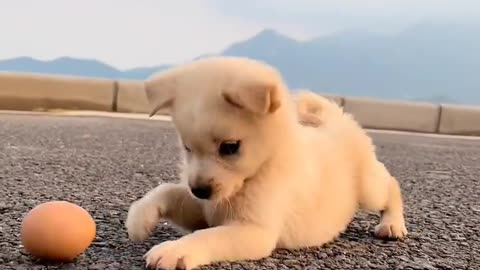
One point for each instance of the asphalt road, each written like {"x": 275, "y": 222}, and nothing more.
{"x": 103, "y": 164}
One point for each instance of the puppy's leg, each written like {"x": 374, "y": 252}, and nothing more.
{"x": 379, "y": 191}
{"x": 167, "y": 201}
{"x": 232, "y": 242}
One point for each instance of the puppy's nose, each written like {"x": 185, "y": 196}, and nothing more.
{"x": 202, "y": 192}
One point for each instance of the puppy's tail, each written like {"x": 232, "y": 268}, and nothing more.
{"x": 316, "y": 110}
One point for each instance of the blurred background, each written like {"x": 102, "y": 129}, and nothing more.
{"x": 404, "y": 50}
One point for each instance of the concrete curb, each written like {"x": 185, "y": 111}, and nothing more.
{"x": 26, "y": 92}
{"x": 166, "y": 118}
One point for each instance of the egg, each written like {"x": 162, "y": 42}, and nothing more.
{"x": 57, "y": 231}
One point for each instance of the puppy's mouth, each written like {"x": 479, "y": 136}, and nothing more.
{"x": 231, "y": 192}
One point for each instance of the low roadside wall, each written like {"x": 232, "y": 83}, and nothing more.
{"x": 459, "y": 120}
{"x": 393, "y": 115}
{"x": 131, "y": 97}
{"x": 41, "y": 93}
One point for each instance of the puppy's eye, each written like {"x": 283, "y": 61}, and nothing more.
{"x": 187, "y": 149}
{"x": 229, "y": 148}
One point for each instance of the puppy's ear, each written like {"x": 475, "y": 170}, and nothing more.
{"x": 261, "y": 98}
{"x": 160, "y": 91}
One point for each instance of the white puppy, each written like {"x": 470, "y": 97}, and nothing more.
{"x": 261, "y": 170}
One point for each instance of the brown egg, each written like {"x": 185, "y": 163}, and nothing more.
{"x": 57, "y": 231}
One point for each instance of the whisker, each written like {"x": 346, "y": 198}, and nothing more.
{"x": 182, "y": 204}
{"x": 230, "y": 209}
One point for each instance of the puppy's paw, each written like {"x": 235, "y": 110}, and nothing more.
{"x": 142, "y": 219}
{"x": 171, "y": 255}
{"x": 391, "y": 228}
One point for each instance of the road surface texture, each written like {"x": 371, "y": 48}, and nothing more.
{"x": 103, "y": 164}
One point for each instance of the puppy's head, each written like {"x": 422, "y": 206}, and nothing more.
{"x": 228, "y": 115}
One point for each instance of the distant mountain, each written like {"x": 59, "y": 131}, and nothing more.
{"x": 75, "y": 67}
{"x": 141, "y": 73}
{"x": 428, "y": 62}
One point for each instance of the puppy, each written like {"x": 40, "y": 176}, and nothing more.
{"x": 261, "y": 169}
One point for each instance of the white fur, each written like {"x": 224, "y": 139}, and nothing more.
{"x": 304, "y": 168}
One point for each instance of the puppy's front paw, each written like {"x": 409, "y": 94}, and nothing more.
{"x": 171, "y": 255}
{"x": 391, "y": 228}
{"x": 142, "y": 218}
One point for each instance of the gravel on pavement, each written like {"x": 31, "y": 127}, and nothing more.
{"x": 103, "y": 164}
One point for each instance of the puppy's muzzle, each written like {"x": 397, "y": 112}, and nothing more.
{"x": 202, "y": 192}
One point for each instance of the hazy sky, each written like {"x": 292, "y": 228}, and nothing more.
{"x": 130, "y": 33}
